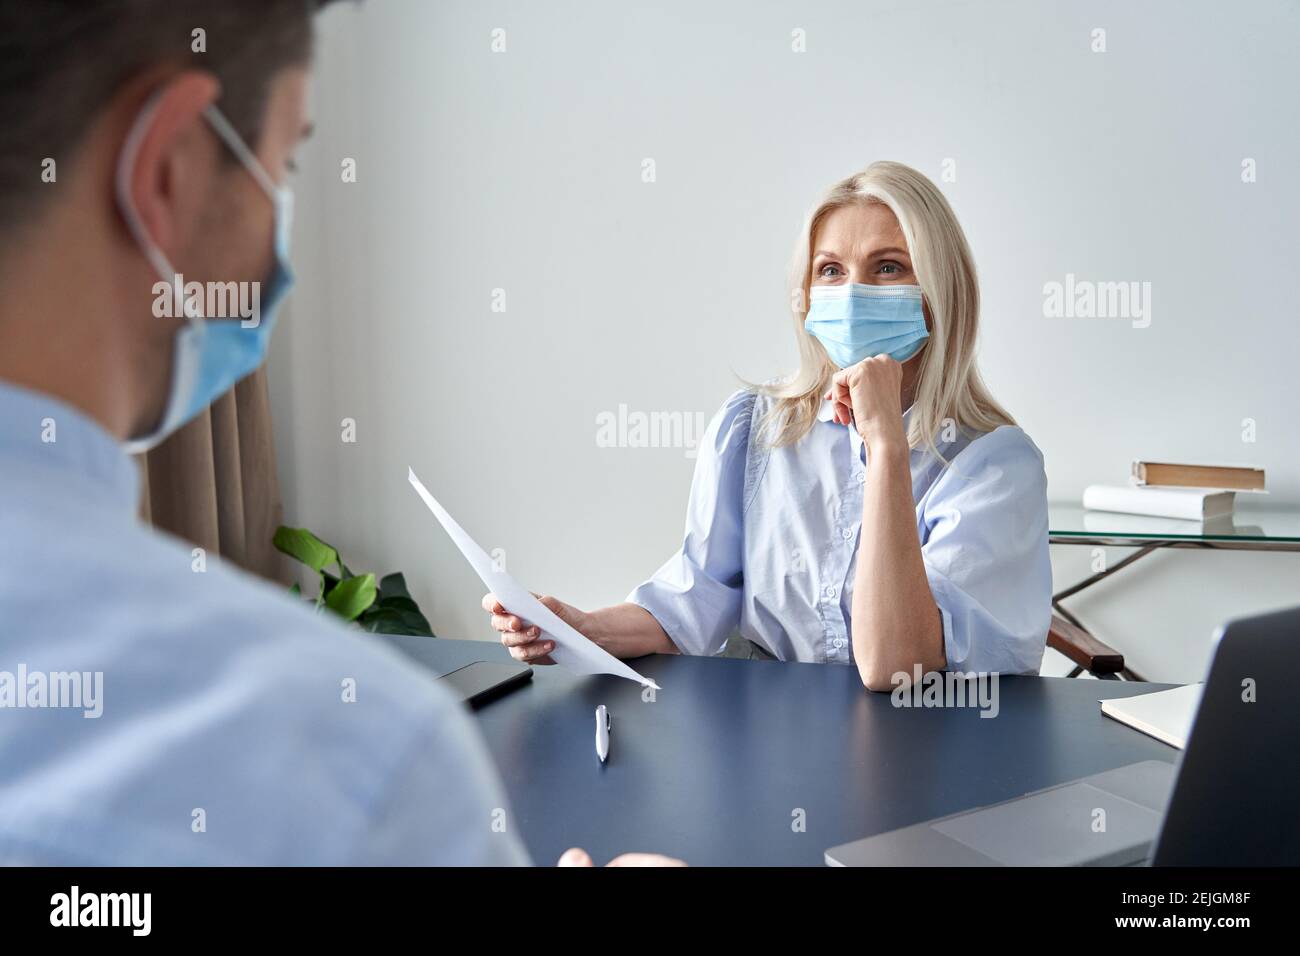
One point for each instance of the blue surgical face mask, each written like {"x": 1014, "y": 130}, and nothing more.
{"x": 209, "y": 355}
{"x": 854, "y": 322}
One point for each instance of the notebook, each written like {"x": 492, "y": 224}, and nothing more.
{"x": 1165, "y": 715}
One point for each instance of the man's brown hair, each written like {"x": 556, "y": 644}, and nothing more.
{"x": 62, "y": 61}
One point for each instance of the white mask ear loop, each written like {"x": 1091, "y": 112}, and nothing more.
{"x": 125, "y": 167}
{"x": 236, "y": 144}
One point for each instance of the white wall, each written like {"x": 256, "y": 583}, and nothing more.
{"x": 522, "y": 170}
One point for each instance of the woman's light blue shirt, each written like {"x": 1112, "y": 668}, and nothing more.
{"x": 772, "y": 539}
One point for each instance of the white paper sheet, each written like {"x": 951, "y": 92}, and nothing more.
{"x": 572, "y": 650}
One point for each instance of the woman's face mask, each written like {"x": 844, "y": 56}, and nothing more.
{"x": 855, "y": 322}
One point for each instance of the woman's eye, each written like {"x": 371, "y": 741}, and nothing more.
{"x": 890, "y": 268}
{"x": 829, "y": 271}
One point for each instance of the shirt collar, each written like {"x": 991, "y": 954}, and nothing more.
{"x": 42, "y": 431}
{"x": 827, "y": 411}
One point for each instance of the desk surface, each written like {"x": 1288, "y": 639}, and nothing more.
{"x": 715, "y": 768}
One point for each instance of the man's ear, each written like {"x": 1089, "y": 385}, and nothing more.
{"x": 174, "y": 153}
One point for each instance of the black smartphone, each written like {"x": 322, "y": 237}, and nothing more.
{"x": 482, "y": 681}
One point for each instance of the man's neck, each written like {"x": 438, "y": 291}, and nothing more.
{"x": 58, "y": 333}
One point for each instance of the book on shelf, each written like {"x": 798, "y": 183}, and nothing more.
{"x": 1222, "y": 477}
{"x": 1191, "y": 504}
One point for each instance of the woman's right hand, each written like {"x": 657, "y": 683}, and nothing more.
{"x": 580, "y": 857}
{"x": 523, "y": 640}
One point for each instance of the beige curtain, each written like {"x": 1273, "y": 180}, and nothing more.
{"x": 213, "y": 483}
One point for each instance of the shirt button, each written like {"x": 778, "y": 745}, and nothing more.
{"x": 839, "y": 642}
{"x": 830, "y": 590}
{"x": 847, "y": 533}
{"x": 861, "y": 477}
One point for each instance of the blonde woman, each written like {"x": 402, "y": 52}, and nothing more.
{"x": 877, "y": 509}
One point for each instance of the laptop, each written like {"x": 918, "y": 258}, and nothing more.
{"x": 1230, "y": 802}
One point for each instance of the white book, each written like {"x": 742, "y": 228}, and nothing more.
{"x": 1165, "y": 714}
{"x": 1194, "y": 504}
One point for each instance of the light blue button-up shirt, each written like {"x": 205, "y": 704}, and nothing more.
{"x": 772, "y": 540}
{"x": 225, "y": 732}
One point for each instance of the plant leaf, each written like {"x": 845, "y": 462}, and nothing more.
{"x": 302, "y": 545}
{"x": 384, "y": 622}
{"x": 352, "y": 596}
{"x": 397, "y": 604}
{"x": 396, "y": 616}
{"x": 393, "y": 585}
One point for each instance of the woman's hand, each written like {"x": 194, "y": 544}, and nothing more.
{"x": 523, "y": 639}
{"x": 868, "y": 396}
{"x": 579, "y": 857}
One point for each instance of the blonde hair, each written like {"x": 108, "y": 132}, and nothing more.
{"x": 949, "y": 386}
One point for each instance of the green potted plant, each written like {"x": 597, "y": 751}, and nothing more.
{"x": 384, "y": 606}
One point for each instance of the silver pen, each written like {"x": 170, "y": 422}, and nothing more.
{"x": 603, "y": 726}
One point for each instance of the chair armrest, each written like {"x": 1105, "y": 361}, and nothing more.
{"x": 1082, "y": 648}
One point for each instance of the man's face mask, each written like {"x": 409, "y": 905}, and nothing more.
{"x": 208, "y": 355}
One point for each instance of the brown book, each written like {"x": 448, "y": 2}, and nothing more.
{"x": 1198, "y": 476}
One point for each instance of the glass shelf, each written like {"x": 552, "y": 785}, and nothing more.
{"x": 1261, "y": 527}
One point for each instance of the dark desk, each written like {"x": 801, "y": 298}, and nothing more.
{"x": 714, "y": 770}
